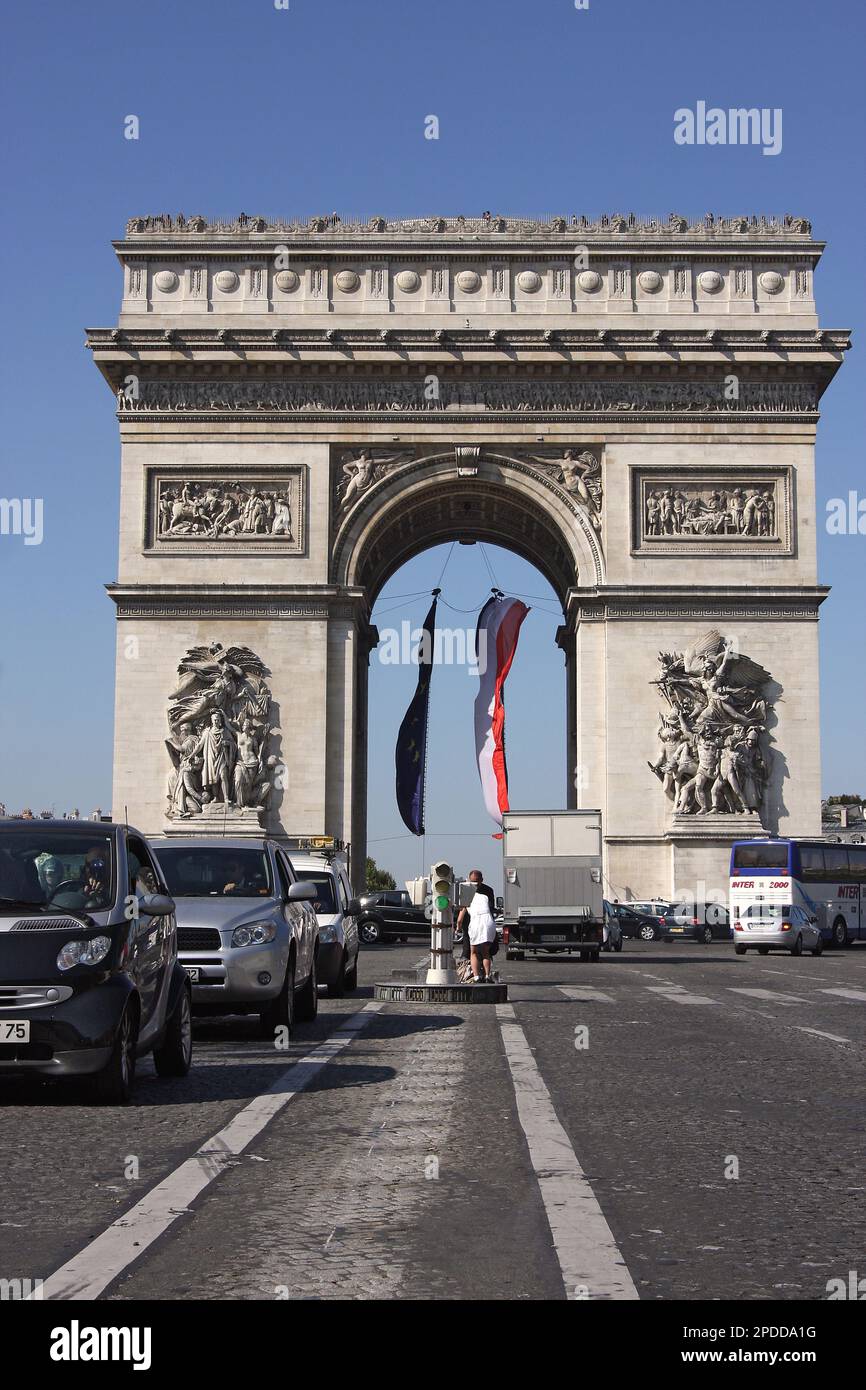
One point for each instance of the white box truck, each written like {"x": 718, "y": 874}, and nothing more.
{"x": 554, "y": 896}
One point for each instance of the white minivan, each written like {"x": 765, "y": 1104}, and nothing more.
{"x": 337, "y": 911}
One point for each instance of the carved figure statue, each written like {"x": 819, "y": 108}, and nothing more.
{"x": 359, "y": 474}
{"x": 184, "y": 788}
{"x": 219, "y": 728}
{"x": 217, "y": 749}
{"x": 712, "y": 757}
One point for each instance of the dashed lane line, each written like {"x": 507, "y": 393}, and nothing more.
{"x": 816, "y": 1032}
{"x": 857, "y": 994}
{"x": 591, "y": 1263}
{"x": 774, "y": 996}
{"x": 585, "y": 994}
{"x": 89, "y": 1273}
{"x": 677, "y": 995}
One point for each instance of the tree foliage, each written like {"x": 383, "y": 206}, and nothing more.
{"x": 376, "y": 879}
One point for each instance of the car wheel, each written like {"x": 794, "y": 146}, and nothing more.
{"x": 647, "y": 932}
{"x": 352, "y": 975}
{"x": 280, "y": 1012}
{"x": 740, "y": 950}
{"x": 113, "y": 1085}
{"x": 369, "y": 931}
{"x": 173, "y": 1057}
{"x": 840, "y": 932}
{"x": 818, "y": 948}
{"x": 797, "y": 948}
{"x": 337, "y": 987}
{"x": 307, "y": 1003}
{"x": 707, "y": 935}
{"x": 763, "y": 950}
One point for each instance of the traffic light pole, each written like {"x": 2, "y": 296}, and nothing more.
{"x": 441, "y": 971}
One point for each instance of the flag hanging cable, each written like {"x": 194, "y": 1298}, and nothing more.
{"x": 411, "y": 752}
{"x": 495, "y": 644}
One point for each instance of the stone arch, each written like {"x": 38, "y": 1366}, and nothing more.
{"x": 495, "y": 498}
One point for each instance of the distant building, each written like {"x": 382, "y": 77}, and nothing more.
{"x": 844, "y": 823}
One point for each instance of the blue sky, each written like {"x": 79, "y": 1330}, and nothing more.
{"x": 542, "y": 109}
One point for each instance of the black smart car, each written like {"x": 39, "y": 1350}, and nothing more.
{"x": 89, "y": 978}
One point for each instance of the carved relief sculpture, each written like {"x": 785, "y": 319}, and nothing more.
{"x": 224, "y": 509}
{"x": 712, "y": 756}
{"x": 219, "y": 728}
{"x": 691, "y": 510}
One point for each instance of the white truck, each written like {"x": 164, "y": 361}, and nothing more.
{"x": 554, "y": 896}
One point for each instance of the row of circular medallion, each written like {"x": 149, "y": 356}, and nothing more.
{"x": 469, "y": 281}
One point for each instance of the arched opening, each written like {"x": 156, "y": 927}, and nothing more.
{"x": 510, "y": 526}
{"x": 457, "y": 824}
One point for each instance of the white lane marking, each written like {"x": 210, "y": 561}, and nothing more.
{"x": 588, "y": 1255}
{"x": 834, "y": 1037}
{"x": 648, "y": 976}
{"x": 677, "y": 995}
{"x": 773, "y": 995}
{"x": 90, "y": 1272}
{"x": 585, "y": 994}
{"x": 858, "y": 994}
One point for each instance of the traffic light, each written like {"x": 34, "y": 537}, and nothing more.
{"x": 442, "y": 876}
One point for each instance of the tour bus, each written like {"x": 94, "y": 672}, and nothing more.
{"x": 828, "y": 880}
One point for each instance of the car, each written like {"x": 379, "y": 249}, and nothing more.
{"x": 634, "y": 924}
{"x": 248, "y": 936}
{"x": 612, "y": 937}
{"x": 390, "y": 913}
{"x": 89, "y": 974}
{"x": 765, "y": 927}
{"x": 648, "y": 907}
{"x": 687, "y": 921}
{"x": 337, "y": 910}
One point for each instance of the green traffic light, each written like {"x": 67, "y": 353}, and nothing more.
{"x": 442, "y": 903}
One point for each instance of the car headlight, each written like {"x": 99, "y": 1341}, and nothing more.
{"x": 330, "y": 933}
{"x": 254, "y": 934}
{"x": 89, "y": 952}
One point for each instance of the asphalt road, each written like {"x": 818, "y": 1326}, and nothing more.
{"x": 674, "y": 1122}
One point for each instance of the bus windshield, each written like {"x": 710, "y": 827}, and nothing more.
{"x": 760, "y": 854}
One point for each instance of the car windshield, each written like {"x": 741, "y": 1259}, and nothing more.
{"x": 325, "y": 900}
{"x": 205, "y": 872}
{"x": 49, "y": 867}
{"x": 775, "y": 910}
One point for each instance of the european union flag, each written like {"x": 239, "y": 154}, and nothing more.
{"x": 411, "y": 751}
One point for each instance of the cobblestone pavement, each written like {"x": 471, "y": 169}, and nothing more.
{"x": 713, "y": 1104}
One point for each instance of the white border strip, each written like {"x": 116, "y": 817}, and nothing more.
{"x": 591, "y": 1263}
{"x": 89, "y": 1273}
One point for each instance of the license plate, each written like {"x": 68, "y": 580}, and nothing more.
{"x": 15, "y": 1032}
{"x": 547, "y": 937}
{"x": 678, "y": 929}
{"x": 193, "y": 973}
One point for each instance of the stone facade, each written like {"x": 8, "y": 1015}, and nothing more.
{"x": 631, "y": 406}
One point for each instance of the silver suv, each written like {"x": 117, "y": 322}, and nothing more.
{"x": 247, "y": 933}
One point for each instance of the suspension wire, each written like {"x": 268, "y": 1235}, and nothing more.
{"x": 445, "y": 566}
{"x": 487, "y": 561}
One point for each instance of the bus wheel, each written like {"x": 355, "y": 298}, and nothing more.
{"x": 840, "y": 932}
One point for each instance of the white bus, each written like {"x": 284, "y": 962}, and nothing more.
{"x": 828, "y": 880}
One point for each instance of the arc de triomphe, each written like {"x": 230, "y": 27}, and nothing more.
{"x": 630, "y": 405}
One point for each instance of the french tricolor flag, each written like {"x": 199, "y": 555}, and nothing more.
{"x": 495, "y": 644}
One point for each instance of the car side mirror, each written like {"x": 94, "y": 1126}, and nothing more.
{"x": 303, "y": 892}
{"x": 156, "y": 905}
{"x": 353, "y": 907}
